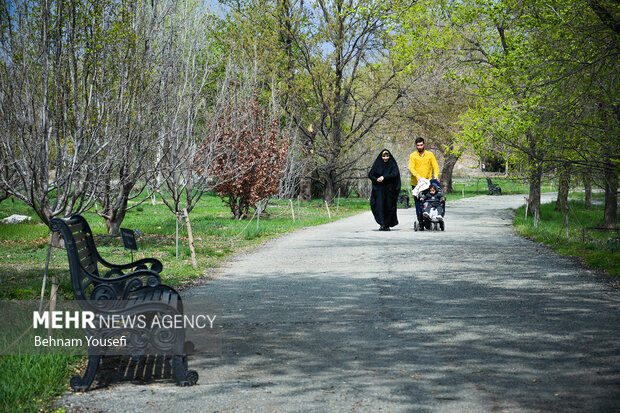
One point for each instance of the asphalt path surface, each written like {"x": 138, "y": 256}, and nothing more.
{"x": 342, "y": 317}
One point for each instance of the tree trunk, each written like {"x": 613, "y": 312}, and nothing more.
{"x": 534, "y": 198}
{"x": 330, "y": 186}
{"x": 611, "y": 197}
{"x": 238, "y": 206}
{"x": 57, "y": 241}
{"x": 190, "y": 237}
{"x": 113, "y": 224}
{"x": 305, "y": 186}
{"x": 114, "y": 200}
{"x": 561, "y": 204}
{"x": 587, "y": 185}
{"x": 446, "y": 172}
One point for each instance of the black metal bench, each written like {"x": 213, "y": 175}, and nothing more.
{"x": 403, "y": 199}
{"x": 133, "y": 289}
{"x": 494, "y": 189}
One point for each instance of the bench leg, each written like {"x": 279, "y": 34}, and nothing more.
{"x": 82, "y": 383}
{"x": 182, "y": 376}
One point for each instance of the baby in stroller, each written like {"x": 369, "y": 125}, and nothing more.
{"x": 433, "y": 206}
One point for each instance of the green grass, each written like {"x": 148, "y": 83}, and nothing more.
{"x": 468, "y": 187}
{"x": 216, "y": 237}
{"x": 596, "y": 196}
{"x": 586, "y": 240}
{"x": 29, "y": 383}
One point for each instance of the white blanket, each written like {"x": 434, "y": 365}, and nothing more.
{"x": 422, "y": 185}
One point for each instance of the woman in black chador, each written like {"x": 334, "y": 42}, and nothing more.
{"x": 385, "y": 179}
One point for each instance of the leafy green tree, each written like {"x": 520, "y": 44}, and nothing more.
{"x": 544, "y": 72}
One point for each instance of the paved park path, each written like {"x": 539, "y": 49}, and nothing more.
{"x": 345, "y": 318}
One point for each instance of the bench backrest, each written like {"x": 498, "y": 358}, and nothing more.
{"x": 81, "y": 252}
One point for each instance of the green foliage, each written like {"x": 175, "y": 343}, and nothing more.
{"x": 587, "y": 240}
{"x": 544, "y": 73}
{"x": 417, "y": 34}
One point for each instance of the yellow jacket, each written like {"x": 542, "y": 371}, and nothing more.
{"x": 425, "y": 166}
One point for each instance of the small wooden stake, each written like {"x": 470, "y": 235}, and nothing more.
{"x": 292, "y": 209}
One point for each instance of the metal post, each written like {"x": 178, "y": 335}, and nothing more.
{"x": 47, "y": 264}
{"x": 338, "y": 204}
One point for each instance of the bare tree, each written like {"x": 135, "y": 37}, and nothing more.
{"x": 134, "y": 72}
{"x": 185, "y": 120}
{"x": 347, "y": 94}
{"x": 50, "y": 109}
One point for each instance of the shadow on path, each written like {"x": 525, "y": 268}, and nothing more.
{"x": 344, "y": 318}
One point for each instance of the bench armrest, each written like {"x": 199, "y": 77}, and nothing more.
{"x": 156, "y": 265}
{"x": 153, "y": 278}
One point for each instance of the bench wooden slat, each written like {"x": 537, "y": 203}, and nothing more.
{"x": 79, "y": 237}
{"x": 174, "y": 300}
{"x": 81, "y": 243}
{"x": 85, "y": 253}
{"x": 76, "y": 227}
{"x": 165, "y": 296}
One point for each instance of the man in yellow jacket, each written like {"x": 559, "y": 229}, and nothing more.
{"x": 422, "y": 164}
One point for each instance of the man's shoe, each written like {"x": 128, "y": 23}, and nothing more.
{"x": 425, "y": 214}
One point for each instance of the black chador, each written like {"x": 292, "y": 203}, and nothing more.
{"x": 384, "y": 191}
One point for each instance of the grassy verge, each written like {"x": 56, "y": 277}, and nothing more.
{"x": 216, "y": 237}
{"x": 29, "y": 383}
{"x": 468, "y": 187}
{"x": 598, "y": 196}
{"x": 586, "y": 240}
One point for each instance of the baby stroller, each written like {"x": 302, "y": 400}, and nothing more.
{"x": 433, "y": 206}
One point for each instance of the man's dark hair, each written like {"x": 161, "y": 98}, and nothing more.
{"x": 419, "y": 140}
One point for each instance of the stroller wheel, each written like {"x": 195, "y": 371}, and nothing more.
{"x": 415, "y": 226}
{"x": 442, "y": 225}
{"x": 427, "y": 225}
